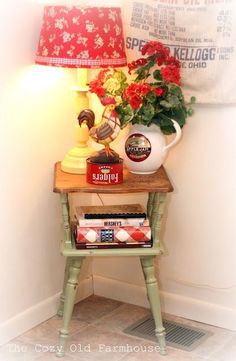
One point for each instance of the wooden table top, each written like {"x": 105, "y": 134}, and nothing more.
{"x": 132, "y": 183}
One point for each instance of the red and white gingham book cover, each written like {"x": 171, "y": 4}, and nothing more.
{"x": 113, "y": 234}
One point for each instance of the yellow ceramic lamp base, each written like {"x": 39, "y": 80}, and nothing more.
{"x": 75, "y": 160}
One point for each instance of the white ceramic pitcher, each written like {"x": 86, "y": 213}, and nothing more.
{"x": 146, "y": 148}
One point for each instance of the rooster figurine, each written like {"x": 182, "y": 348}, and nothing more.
{"x": 105, "y": 132}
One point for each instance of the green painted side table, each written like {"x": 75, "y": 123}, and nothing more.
{"x": 157, "y": 185}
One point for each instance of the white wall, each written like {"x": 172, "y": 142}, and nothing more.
{"x": 201, "y": 229}
{"x": 197, "y": 272}
{"x": 36, "y": 127}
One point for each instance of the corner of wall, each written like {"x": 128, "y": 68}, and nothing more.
{"x": 39, "y": 313}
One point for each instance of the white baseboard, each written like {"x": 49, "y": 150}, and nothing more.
{"x": 178, "y": 305}
{"x": 120, "y": 291}
{"x": 175, "y": 304}
{"x": 38, "y": 313}
{"x": 210, "y": 313}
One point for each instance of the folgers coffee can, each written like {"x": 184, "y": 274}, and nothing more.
{"x": 105, "y": 174}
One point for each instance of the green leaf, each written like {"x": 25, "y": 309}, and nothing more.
{"x": 173, "y": 100}
{"x": 156, "y": 120}
{"x": 125, "y": 114}
{"x": 151, "y": 97}
{"x": 190, "y": 112}
{"x": 141, "y": 76}
{"x": 166, "y": 124}
{"x": 158, "y": 109}
{"x": 157, "y": 75}
{"x": 165, "y": 104}
{"x": 179, "y": 115}
{"x": 147, "y": 112}
{"x": 176, "y": 90}
{"x": 149, "y": 64}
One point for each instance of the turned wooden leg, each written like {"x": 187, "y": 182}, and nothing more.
{"x": 154, "y": 299}
{"x": 62, "y": 297}
{"x": 156, "y": 206}
{"x": 150, "y": 204}
{"x": 70, "y": 293}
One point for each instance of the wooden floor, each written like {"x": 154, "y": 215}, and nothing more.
{"x": 96, "y": 334}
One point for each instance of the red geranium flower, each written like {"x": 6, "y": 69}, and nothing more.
{"x": 158, "y": 91}
{"x": 95, "y": 86}
{"x": 108, "y": 100}
{"x": 172, "y": 60}
{"x": 171, "y": 74}
{"x": 137, "y": 89}
{"x": 158, "y": 49}
{"x": 151, "y": 95}
{"x": 130, "y": 90}
{"x": 136, "y": 63}
{"x": 135, "y": 102}
{"x": 145, "y": 88}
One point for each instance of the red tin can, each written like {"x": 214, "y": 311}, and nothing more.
{"x": 105, "y": 174}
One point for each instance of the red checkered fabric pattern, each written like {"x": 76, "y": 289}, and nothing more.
{"x": 81, "y": 37}
{"x": 113, "y": 234}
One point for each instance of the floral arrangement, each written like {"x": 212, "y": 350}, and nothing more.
{"x": 151, "y": 95}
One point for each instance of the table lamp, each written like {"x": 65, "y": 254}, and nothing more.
{"x": 81, "y": 37}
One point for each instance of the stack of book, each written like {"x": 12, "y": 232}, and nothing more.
{"x": 120, "y": 226}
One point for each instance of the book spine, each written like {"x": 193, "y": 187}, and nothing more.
{"x": 113, "y": 222}
{"x": 125, "y": 234}
{"x": 106, "y": 245}
{"x": 113, "y": 215}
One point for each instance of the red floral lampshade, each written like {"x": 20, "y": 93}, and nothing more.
{"x": 81, "y": 37}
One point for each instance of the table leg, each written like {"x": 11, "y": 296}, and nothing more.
{"x": 154, "y": 299}
{"x": 156, "y": 207}
{"x": 65, "y": 207}
{"x": 62, "y": 297}
{"x": 70, "y": 293}
{"x": 150, "y": 203}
